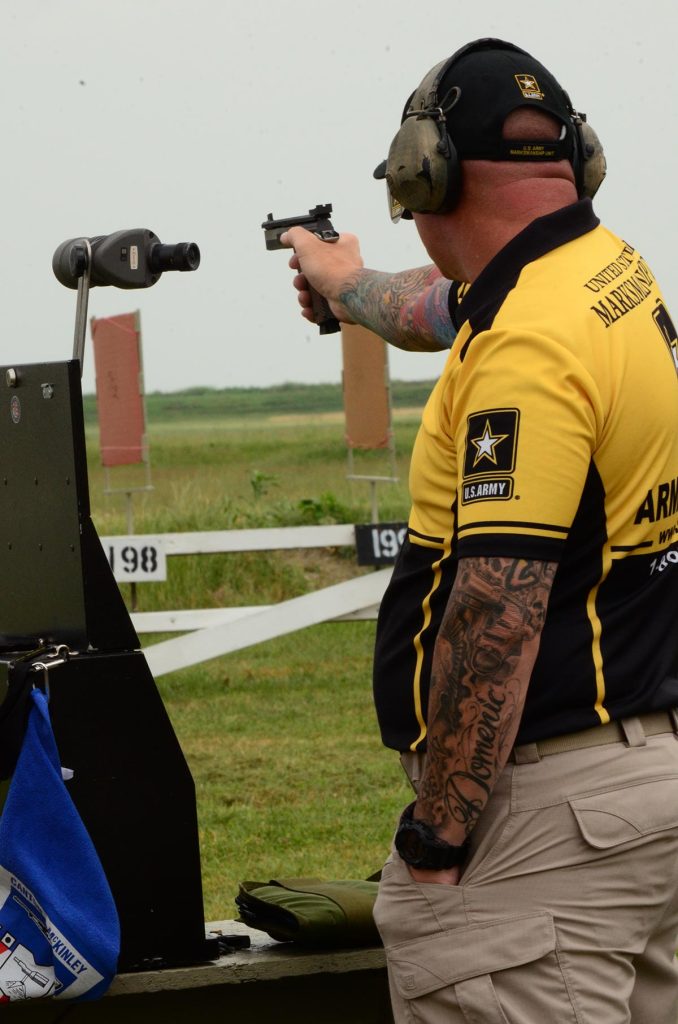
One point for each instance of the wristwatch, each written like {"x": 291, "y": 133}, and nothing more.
{"x": 418, "y": 845}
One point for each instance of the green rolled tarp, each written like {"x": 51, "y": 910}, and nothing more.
{"x": 311, "y": 912}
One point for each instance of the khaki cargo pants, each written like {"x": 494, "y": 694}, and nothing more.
{"x": 567, "y": 910}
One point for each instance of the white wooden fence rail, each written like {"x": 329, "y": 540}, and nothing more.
{"x": 199, "y": 618}
{"x": 286, "y": 617}
{"x": 220, "y": 631}
{"x": 275, "y": 538}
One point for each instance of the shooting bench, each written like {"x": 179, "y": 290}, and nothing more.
{"x": 270, "y": 981}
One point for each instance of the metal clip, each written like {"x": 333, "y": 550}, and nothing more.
{"x": 59, "y": 657}
{"x": 40, "y": 666}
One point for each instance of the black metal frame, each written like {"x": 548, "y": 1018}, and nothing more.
{"x": 131, "y": 785}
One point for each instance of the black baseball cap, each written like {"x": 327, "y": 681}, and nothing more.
{"x": 488, "y": 80}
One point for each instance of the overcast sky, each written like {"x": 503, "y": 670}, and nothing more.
{"x": 195, "y": 119}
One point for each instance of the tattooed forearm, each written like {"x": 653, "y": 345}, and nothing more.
{"x": 409, "y": 309}
{"x": 485, "y": 651}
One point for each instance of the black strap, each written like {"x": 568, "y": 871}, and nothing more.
{"x": 14, "y": 710}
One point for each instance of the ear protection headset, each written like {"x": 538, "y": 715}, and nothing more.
{"x": 423, "y": 169}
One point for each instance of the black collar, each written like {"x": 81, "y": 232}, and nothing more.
{"x": 541, "y": 236}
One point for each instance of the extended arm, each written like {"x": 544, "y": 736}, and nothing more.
{"x": 408, "y": 309}
{"x": 483, "y": 659}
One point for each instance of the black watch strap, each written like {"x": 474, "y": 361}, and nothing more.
{"x": 419, "y": 846}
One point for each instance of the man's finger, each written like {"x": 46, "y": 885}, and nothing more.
{"x": 294, "y": 235}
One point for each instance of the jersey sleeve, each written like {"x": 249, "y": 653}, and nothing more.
{"x": 526, "y": 419}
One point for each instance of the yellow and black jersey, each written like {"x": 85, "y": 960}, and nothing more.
{"x": 552, "y": 434}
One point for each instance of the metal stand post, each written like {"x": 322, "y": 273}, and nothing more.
{"x": 83, "y": 256}
{"x": 130, "y": 530}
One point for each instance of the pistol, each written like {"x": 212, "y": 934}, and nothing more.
{"x": 318, "y": 221}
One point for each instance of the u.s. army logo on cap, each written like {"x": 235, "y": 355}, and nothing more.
{"x": 529, "y": 87}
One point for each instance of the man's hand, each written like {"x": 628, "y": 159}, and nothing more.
{"x": 409, "y": 310}
{"x": 450, "y": 876}
{"x": 331, "y": 268}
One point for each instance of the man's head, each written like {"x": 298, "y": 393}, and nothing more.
{"x": 461, "y": 111}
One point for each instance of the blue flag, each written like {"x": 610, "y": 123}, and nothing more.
{"x": 59, "y": 928}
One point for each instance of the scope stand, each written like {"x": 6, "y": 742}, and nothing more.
{"x": 81, "y": 306}
{"x": 62, "y": 615}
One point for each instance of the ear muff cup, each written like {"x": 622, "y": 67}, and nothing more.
{"x": 592, "y": 163}
{"x": 423, "y": 170}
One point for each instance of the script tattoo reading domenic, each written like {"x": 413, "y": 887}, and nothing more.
{"x": 484, "y": 655}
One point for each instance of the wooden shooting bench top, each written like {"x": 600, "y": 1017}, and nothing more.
{"x": 269, "y": 981}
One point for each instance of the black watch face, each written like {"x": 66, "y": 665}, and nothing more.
{"x": 421, "y": 850}
{"x": 410, "y": 846}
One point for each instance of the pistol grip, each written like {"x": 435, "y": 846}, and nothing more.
{"x": 322, "y": 314}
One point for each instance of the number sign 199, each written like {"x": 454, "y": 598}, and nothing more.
{"x": 379, "y": 543}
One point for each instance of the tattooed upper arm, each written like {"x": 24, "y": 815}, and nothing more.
{"x": 425, "y": 317}
{"x": 484, "y": 655}
{"x": 409, "y": 309}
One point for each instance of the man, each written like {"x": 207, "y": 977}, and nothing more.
{"x": 527, "y": 640}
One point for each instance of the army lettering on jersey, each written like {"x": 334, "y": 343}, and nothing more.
{"x": 551, "y": 434}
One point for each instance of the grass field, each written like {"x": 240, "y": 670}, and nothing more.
{"x": 281, "y": 738}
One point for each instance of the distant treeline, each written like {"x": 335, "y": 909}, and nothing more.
{"x": 282, "y": 398}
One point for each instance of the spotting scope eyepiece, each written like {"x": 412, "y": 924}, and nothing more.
{"x": 182, "y": 256}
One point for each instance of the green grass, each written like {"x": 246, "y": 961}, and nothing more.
{"x": 221, "y": 475}
{"x": 290, "y": 773}
{"x": 282, "y": 740}
{"x": 212, "y": 403}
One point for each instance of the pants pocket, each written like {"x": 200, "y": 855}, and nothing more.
{"x": 406, "y": 910}
{"x": 503, "y": 972}
{"x": 632, "y": 812}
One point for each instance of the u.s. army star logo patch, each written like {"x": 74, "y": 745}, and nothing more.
{"x": 529, "y": 87}
{"x": 486, "y": 444}
{"x": 490, "y": 455}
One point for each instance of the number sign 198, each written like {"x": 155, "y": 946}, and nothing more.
{"x": 135, "y": 559}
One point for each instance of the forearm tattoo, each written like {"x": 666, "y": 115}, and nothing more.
{"x": 484, "y": 654}
{"x": 409, "y": 309}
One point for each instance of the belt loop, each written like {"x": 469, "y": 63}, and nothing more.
{"x": 673, "y": 715}
{"x": 527, "y": 754}
{"x": 634, "y": 732}
{"x": 413, "y": 766}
